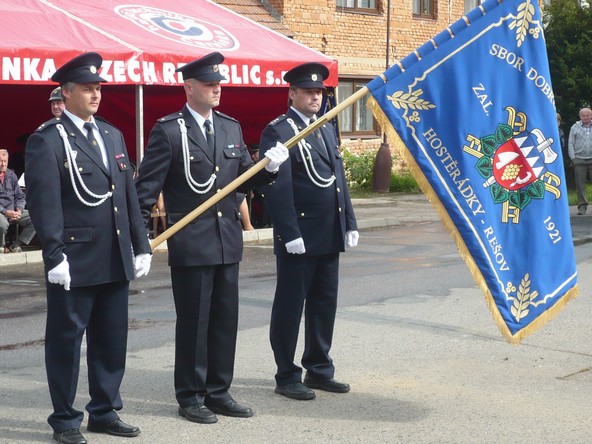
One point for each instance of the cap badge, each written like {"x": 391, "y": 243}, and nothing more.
{"x": 215, "y": 68}
{"x": 93, "y": 69}
{"x": 313, "y": 77}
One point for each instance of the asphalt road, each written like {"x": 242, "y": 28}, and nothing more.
{"x": 413, "y": 337}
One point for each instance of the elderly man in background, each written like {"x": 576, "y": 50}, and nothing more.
{"x": 12, "y": 207}
{"x": 579, "y": 148}
{"x": 56, "y": 102}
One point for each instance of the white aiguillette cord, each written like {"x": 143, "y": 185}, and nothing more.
{"x": 199, "y": 188}
{"x": 311, "y": 171}
{"x": 73, "y": 169}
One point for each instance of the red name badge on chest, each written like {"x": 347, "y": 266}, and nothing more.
{"x": 121, "y": 162}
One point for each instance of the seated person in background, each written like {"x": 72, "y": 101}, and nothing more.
{"x": 12, "y": 207}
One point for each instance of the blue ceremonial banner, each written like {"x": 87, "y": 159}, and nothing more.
{"x": 473, "y": 114}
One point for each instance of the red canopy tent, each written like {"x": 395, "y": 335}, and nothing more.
{"x": 141, "y": 46}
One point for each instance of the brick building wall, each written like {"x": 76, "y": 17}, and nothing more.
{"x": 358, "y": 40}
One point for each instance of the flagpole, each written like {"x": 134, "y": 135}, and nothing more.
{"x": 255, "y": 169}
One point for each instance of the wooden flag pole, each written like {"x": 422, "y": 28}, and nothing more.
{"x": 255, "y": 169}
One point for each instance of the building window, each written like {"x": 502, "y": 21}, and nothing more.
{"x": 357, "y": 5}
{"x": 424, "y": 8}
{"x": 471, "y": 4}
{"x": 356, "y": 120}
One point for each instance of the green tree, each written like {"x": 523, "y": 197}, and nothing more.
{"x": 568, "y": 35}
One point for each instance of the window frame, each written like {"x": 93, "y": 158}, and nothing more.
{"x": 357, "y": 83}
{"x": 431, "y": 14}
{"x": 357, "y": 8}
{"x": 475, "y": 4}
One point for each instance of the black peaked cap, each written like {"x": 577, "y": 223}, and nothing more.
{"x": 204, "y": 69}
{"x": 81, "y": 69}
{"x": 307, "y": 75}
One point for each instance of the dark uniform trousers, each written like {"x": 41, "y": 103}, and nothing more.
{"x": 316, "y": 279}
{"x": 103, "y": 311}
{"x": 206, "y": 302}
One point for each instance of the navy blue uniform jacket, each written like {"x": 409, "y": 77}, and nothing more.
{"x": 97, "y": 240}
{"x": 215, "y": 237}
{"x": 298, "y": 208}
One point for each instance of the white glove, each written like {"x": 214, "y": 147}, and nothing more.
{"x": 60, "y": 274}
{"x": 276, "y": 155}
{"x": 296, "y": 246}
{"x": 142, "y": 264}
{"x": 351, "y": 238}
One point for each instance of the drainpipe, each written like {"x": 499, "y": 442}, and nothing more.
{"x": 383, "y": 162}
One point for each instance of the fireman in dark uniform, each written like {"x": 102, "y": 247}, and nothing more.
{"x": 83, "y": 203}
{"x": 313, "y": 221}
{"x": 190, "y": 156}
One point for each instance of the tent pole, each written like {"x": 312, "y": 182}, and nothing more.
{"x": 256, "y": 168}
{"x": 139, "y": 123}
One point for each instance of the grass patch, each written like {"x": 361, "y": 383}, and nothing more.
{"x": 359, "y": 171}
{"x": 572, "y": 196}
{"x": 403, "y": 183}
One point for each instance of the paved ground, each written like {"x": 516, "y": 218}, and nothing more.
{"x": 436, "y": 372}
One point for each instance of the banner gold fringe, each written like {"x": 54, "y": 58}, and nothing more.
{"x": 427, "y": 189}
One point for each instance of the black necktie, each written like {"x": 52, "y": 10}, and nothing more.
{"x": 90, "y": 135}
{"x": 210, "y": 135}
{"x": 91, "y": 138}
{"x": 318, "y": 135}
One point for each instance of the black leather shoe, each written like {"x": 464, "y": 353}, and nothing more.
{"x": 116, "y": 428}
{"x": 230, "y": 408}
{"x": 295, "y": 390}
{"x": 72, "y": 436}
{"x": 198, "y": 413}
{"x": 328, "y": 385}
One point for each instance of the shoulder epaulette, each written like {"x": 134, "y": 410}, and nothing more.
{"x": 224, "y": 116}
{"x": 48, "y": 124}
{"x": 171, "y": 117}
{"x": 277, "y": 120}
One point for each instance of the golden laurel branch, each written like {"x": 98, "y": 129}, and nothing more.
{"x": 401, "y": 100}
{"x": 523, "y": 22}
{"x": 524, "y": 298}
